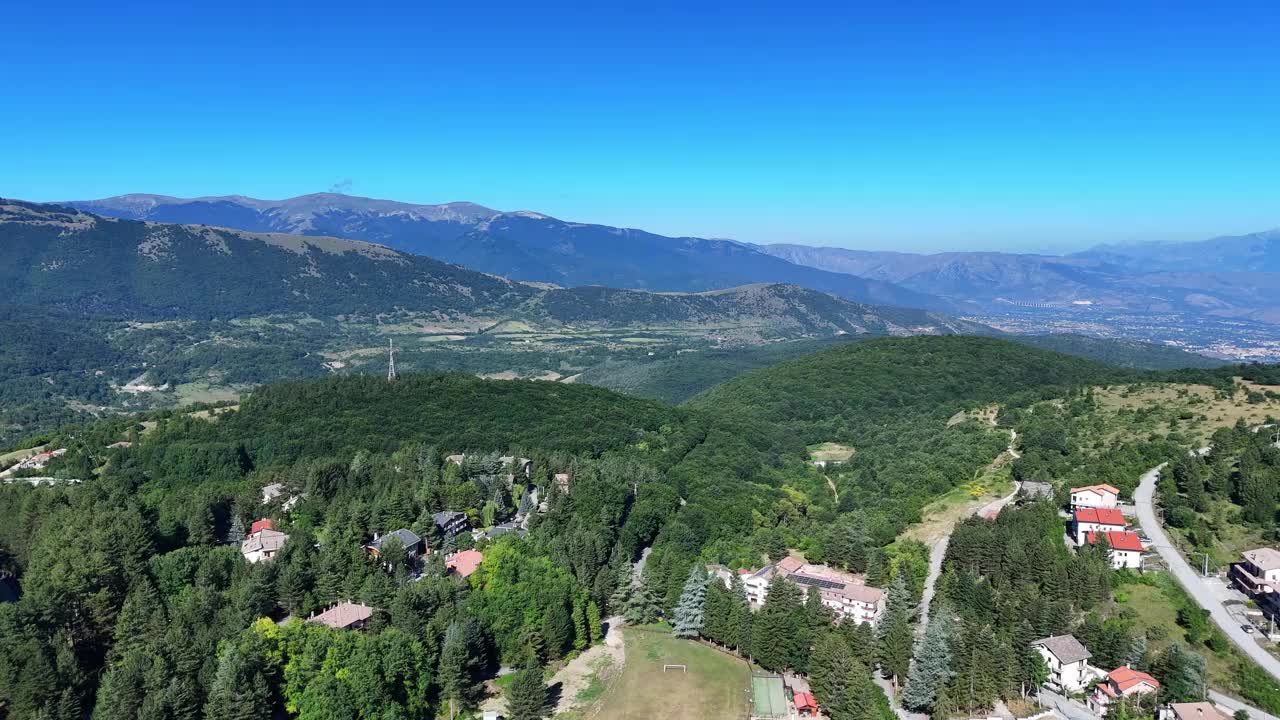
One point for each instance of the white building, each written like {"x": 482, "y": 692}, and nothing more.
{"x": 1258, "y": 573}
{"x": 264, "y": 544}
{"x": 1087, "y": 520}
{"x": 1068, "y": 661}
{"x": 845, "y": 593}
{"x": 1094, "y": 496}
{"x": 1126, "y": 548}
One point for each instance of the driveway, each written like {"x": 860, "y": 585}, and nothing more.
{"x": 1190, "y": 580}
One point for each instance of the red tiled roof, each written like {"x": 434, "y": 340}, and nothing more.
{"x": 1101, "y": 516}
{"x": 264, "y": 524}
{"x": 805, "y": 701}
{"x": 1109, "y": 488}
{"x": 464, "y": 563}
{"x": 1118, "y": 540}
{"x": 1126, "y": 677}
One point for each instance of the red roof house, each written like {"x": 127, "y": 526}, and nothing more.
{"x": 1119, "y": 540}
{"x": 1100, "y": 516}
{"x": 264, "y": 524}
{"x": 1121, "y": 683}
{"x": 805, "y": 704}
{"x": 464, "y": 563}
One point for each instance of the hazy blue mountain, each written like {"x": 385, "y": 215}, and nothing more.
{"x": 1107, "y": 279}
{"x": 518, "y": 245}
{"x": 1255, "y": 252}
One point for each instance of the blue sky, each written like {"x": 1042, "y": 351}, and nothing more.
{"x": 913, "y": 126}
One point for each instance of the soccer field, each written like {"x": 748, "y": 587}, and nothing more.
{"x": 716, "y": 687}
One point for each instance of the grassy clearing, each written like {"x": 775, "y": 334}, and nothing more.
{"x": 198, "y": 392}
{"x": 16, "y": 455}
{"x": 715, "y": 688}
{"x": 830, "y": 452}
{"x": 1194, "y": 411}
{"x": 942, "y": 514}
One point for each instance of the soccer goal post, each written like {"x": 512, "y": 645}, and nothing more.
{"x": 682, "y": 668}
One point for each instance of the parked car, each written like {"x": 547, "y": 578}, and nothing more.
{"x": 1247, "y": 628}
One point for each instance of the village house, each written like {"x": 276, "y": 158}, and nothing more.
{"x": 463, "y": 563}
{"x": 1094, "y": 496}
{"x": 497, "y": 531}
{"x": 1087, "y": 520}
{"x": 518, "y": 465}
{"x": 455, "y": 459}
{"x": 344, "y": 616}
{"x": 263, "y": 524}
{"x": 1126, "y": 548}
{"x": 1192, "y": 711}
{"x": 409, "y": 540}
{"x": 275, "y": 491}
{"x": 1068, "y": 661}
{"x": 1123, "y": 682}
{"x": 562, "y": 482}
{"x": 450, "y": 522}
{"x": 262, "y": 544}
{"x": 1258, "y": 574}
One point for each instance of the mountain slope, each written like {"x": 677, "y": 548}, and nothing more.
{"x": 65, "y": 259}
{"x": 519, "y": 245}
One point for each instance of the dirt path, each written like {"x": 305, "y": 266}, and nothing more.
{"x": 574, "y": 677}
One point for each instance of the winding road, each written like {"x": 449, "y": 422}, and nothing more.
{"x": 1190, "y": 580}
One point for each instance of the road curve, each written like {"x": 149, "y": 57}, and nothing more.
{"x": 1190, "y": 581}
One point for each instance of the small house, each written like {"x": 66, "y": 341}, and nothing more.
{"x": 264, "y": 544}
{"x": 1126, "y": 548}
{"x": 450, "y": 522}
{"x": 1094, "y": 496}
{"x": 562, "y": 482}
{"x": 409, "y": 540}
{"x": 260, "y": 525}
{"x": 344, "y": 616}
{"x": 806, "y": 706}
{"x": 1068, "y": 662}
{"x": 1123, "y": 682}
{"x": 1192, "y": 711}
{"x": 463, "y": 563}
{"x": 1258, "y": 572}
{"x": 1087, "y": 520}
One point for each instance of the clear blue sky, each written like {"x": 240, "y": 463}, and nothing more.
{"x": 904, "y": 125}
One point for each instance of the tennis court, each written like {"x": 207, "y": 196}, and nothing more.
{"x": 768, "y": 699}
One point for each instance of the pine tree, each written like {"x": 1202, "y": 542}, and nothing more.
{"x": 895, "y": 631}
{"x": 931, "y": 668}
{"x": 557, "y": 629}
{"x": 688, "y": 616}
{"x": 773, "y": 631}
{"x": 581, "y": 635}
{"x": 740, "y": 618}
{"x": 455, "y": 673}
{"x": 239, "y": 692}
{"x": 235, "y": 534}
{"x": 827, "y": 665}
{"x": 527, "y": 695}
{"x": 641, "y": 606}
{"x": 593, "y": 622}
{"x": 618, "y": 601}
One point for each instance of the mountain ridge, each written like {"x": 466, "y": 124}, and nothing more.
{"x": 521, "y": 244}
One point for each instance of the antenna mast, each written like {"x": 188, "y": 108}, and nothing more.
{"x": 391, "y": 360}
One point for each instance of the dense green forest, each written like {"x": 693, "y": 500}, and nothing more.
{"x": 134, "y": 602}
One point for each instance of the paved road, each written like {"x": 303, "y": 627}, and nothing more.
{"x": 1190, "y": 580}
{"x": 1231, "y": 705}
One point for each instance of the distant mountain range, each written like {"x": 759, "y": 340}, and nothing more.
{"x": 1232, "y": 277}
{"x": 518, "y": 245}
{"x": 76, "y": 262}
{"x": 1229, "y": 277}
